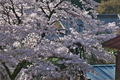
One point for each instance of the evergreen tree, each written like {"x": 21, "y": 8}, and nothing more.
{"x": 109, "y": 7}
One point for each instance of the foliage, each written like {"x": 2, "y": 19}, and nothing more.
{"x": 27, "y": 45}
{"x": 109, "y": 7}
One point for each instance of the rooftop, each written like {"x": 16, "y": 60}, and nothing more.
{"x": 103, "y": 72}
{"x": 113, "y": 43}
{"x": 108, "y": 18}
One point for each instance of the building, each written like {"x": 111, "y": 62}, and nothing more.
{"x": 109, "y": 18}
{"x": 102, "y": 72}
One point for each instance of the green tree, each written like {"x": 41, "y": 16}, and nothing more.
{"x": 109, "y": 7}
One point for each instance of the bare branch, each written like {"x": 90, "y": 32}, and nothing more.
{"x": 58, "y": 3}
{"x": 48, "y": 7}
{"x": 44, "y": 11}
{"x": 51, "y": 12}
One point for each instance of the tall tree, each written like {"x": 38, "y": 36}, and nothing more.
{"x": 109, "y": 7}
{"x": 27, "y": 45}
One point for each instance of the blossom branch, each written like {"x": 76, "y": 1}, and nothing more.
{"x": 18, "y": 68}
{"x": 13, "y": 9}
{"x": 7, "y": 69}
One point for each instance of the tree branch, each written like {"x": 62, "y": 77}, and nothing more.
{"x": 44, "y": 11}
{"x": 58, "y": 4}
{"x": 48, "y": 7}
{"x": 51, "y": 12}
{"x": 13, "y": 9}
{"x": 18, "y": 68}
{"x": 7, "y": 69}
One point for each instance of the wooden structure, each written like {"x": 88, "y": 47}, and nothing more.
{"x": 115, "y": 44}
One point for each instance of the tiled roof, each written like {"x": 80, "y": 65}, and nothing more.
{"x": 103, "y": 72}
{"x": 108, "y": 18}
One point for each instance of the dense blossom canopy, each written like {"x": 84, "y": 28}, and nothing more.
{"x": 25, "y": 26}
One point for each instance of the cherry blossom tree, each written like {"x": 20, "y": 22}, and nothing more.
{"x": 31, "y": 45}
